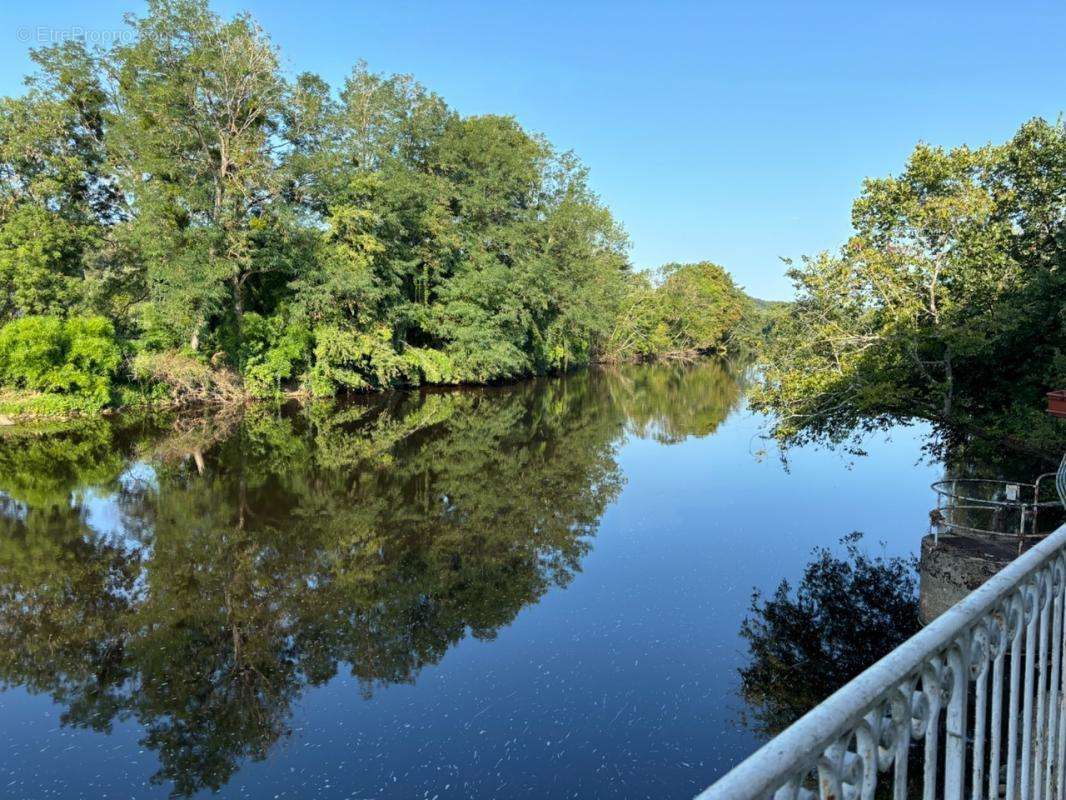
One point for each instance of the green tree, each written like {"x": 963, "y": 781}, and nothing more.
{"x": 199, "y": 140}
{"x": 684, "y": 310}
{"x": 946, "y": 304}
{"x": 56, "y": 195}
{"x": 702, "y": 307}
{"x": 247, "y": 234}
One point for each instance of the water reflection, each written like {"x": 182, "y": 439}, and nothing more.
{"x": 854, "y": 605}
{"x": 670, "y": 403}
{"x": 849, "y": 609}
{"x": 194, "y": 575}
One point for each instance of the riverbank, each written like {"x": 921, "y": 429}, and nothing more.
{"x": 200, "y": 386}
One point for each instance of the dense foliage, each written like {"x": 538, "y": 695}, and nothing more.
{"x": 684, "y": 310}
{"x": 76, "y": 357}
{"x": 948, "y": 304}
{"x": 219, "y": 212}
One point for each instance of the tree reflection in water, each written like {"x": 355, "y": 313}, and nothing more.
{"x": 846, "y": 613}
{"x": 247, "y": 556}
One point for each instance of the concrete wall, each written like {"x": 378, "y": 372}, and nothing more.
{"x": 956, "y": 565}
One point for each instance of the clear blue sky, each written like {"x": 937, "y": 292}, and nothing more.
{"x": 736, "y": 132}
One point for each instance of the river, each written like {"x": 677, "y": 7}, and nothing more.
{"x": 526, "y": 591}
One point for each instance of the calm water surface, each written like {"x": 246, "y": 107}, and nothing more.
{"x": 531, "y": 591}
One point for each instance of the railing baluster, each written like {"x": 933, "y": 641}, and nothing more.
{"x": 997, "y": 713}
{"x": 980, "y": 714}
{"x": 1040, "y": 733}
{"x": 866, "y": 754}
{"x": 830, "y": 767}
{"x": 901, "y": 718}
{"x": 1060, "y": 748}
{"x": 1029, "y": 691}
{"x": 1014, "y": 698}
{"x": 955, "y": 724}
{"x": 933, "y": 691}
{"x": 1057, "y": 587}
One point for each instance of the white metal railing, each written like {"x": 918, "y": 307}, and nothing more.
{"x": 996, "y": 508}
{"x": 971, "y": 706}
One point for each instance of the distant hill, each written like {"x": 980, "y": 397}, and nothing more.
{"x": 766, "y": 306}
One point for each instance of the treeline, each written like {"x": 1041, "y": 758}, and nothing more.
{"x": 179, "y": 219}
{"x": 948, "y": 304}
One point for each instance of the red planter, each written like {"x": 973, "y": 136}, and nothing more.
{"x": 1056, "y": 403}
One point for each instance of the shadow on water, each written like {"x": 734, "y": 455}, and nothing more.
{"x": 194, "y": 575}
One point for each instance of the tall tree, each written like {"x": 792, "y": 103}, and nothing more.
{"x": 199, "y": 137}
{"x": 56, "y": 195}
{"x": 946, "y": 304}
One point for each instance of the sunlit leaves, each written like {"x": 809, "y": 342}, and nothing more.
{"x": 945, "y": 305}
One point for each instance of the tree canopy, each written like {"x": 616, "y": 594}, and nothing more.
{"x": 218, "y": 212}
{"x": 948, "y": 303}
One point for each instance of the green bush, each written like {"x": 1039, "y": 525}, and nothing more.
{"x": 274, "y": 351}
{"x": 434, "y": 366}
{"x": 20, "y": 403}
{"x": 75, "y": 358}
{"x": 40, "y": 256}
{"x": 347, "y": 360}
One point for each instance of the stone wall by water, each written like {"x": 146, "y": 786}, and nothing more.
{"x": 953, "y": 566}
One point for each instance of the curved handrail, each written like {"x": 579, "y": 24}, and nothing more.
{"x": 1023, "y": 506}
{"x": 948, "y": 487}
